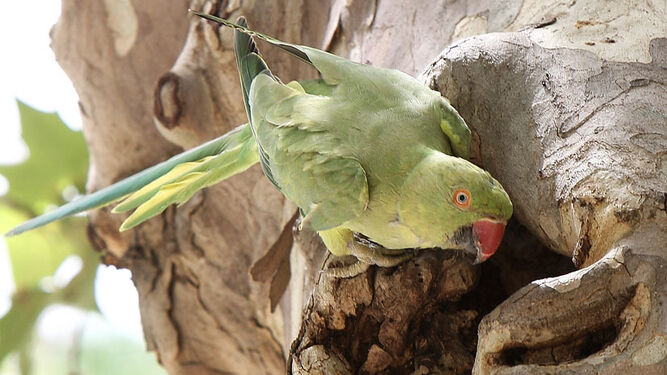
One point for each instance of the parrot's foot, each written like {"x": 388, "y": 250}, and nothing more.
{"x": 376, "y": 255}
{"x": 351, "y": 270}
{"x": 366, "y": 257}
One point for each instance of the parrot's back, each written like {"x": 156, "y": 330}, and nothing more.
{"x": 341, "y": 153}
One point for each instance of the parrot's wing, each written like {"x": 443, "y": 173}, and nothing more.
{"x": 310, "y": 165}
{"x": 222, "y": 157}
{"x": 297, "y": 153}
{"x": 250, "y": 65}
{"x": 457, "y": 131}
{"x": 326, "y": 63}
{"x": 337, "y": 70}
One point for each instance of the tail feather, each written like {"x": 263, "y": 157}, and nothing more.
{"x": 287, "y": 47}
{"x": 147, "y": 192}
{"x": 327, "y": 64}
{"x": 215, "y": 148}
{"x": 185, "y": 183}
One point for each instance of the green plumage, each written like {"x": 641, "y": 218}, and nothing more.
{"x": 217, "y": 149}
{"x": 362, "y": 149}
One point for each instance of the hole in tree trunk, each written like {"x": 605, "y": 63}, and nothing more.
{"x": 424, "y": 319}
{"x": 572, "y": 350}
{"x": 521, "y": 259}
{"x": 446, "y": 338}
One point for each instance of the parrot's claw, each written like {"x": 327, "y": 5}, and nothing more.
{"x": 350, "y": 270}
{"x": 376, "y": 256}
{"x": 366, "y": 257}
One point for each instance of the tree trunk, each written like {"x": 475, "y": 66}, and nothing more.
{"x": 567, "y": 106}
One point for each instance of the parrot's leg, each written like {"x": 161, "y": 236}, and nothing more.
{"x": 337, "y": 240}
{"x": 344, "y": 272}
{"x": 341, "y": 242}
{"x": 377, "y": 257}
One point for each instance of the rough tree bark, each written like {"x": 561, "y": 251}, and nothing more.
{"x": 567, "y": 104}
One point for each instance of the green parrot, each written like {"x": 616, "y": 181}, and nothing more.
{"x": 375, "y": 161}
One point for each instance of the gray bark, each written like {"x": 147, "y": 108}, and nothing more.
{"x": 564, "y": 113}
{"x": 585, "y": 138}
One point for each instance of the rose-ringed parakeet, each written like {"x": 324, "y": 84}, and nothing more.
{"x": 375, "y": 161}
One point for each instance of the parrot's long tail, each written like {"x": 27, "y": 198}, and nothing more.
{"x": 172, "y": 181}
{"x": 242, "y": 26}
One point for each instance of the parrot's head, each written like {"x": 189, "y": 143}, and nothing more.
{"x": 451, "y": 203}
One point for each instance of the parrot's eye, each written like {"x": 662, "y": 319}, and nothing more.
{"x": 462, "y": 198}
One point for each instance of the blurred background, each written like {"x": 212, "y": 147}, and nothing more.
{"x": 60, "y": 311}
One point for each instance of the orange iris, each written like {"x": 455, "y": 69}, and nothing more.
{"x": 462, "y": 198}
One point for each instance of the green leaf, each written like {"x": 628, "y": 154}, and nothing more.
{"x": 25, "y": 361}
{"x": 37, "y": 254}
{"x": 58, "y": 158}
{"x": 16, "y": 326}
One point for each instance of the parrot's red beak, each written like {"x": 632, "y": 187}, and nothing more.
{"x": 487, "y": 234}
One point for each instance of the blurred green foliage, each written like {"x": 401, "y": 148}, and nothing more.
{"x": 58, "y": 160}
